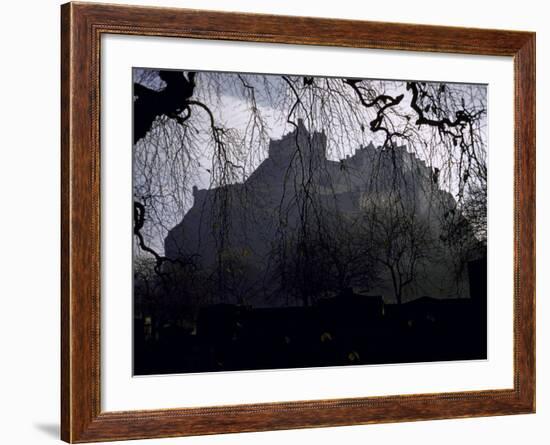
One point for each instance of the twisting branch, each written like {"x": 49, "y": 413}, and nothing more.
{"x": 139, "y": 221}
{"x": 383, "y": 102}
{"x": 171, "y": 101}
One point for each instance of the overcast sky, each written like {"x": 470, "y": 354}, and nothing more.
{"x": 224, "y": 94}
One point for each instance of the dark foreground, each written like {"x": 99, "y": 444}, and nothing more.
{"x": 351, "y": 330}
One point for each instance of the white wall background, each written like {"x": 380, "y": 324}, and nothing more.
{"x": 29, "y": 220}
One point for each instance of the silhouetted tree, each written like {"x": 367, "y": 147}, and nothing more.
{"x": 182, "y": 136}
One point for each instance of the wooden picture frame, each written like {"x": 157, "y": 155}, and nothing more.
{"x": 82, "y": 26}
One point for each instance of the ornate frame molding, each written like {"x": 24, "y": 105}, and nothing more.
{"x": 82, "y": 26}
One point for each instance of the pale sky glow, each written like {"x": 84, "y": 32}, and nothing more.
{"x": 223, "y": 93}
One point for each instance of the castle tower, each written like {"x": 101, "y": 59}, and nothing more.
{"x": 298, "y": 145}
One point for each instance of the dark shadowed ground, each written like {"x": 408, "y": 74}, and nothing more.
{"x": 349, "y": 329}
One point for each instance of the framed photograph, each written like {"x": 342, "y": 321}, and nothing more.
{"x": 275, "y": 222}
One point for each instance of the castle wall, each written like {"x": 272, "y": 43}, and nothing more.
{"x": 297, "y": 190}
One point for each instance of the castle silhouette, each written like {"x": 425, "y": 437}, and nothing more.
{"x": 297, "y": 199}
